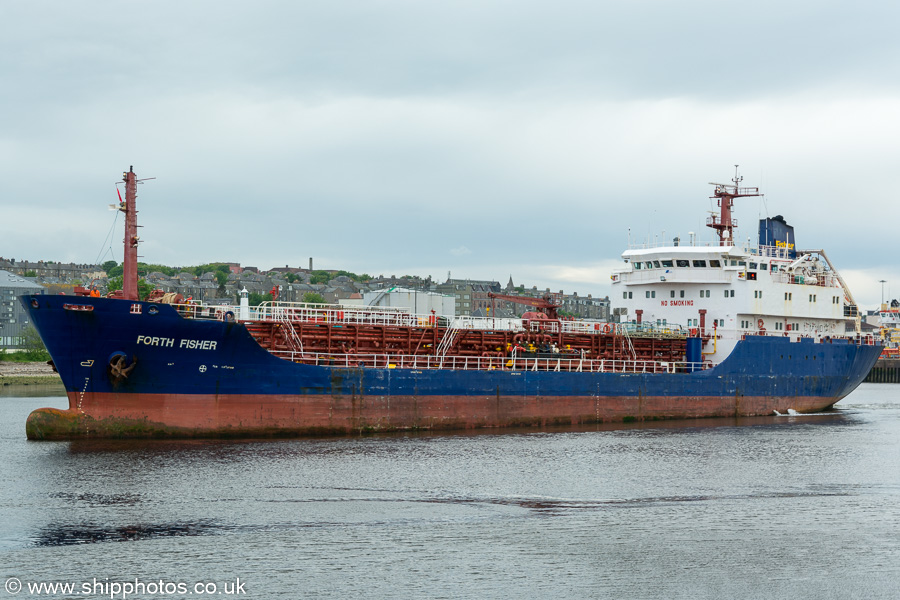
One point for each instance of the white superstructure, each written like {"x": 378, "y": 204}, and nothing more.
{"x": 725, "y": 291}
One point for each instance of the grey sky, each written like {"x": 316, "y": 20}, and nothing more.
{"x": 483, "y": 138}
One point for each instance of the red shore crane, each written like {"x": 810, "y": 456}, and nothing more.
{"x": 545, "y": 305}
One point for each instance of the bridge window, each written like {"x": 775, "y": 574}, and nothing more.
{"x": 667, "y": 263}
{"x": 714, "y": 263}
{"x": 656, "y": 264}
{"x": 699, "y": 263}
{"x": 648, "y": 265}
{"x": 683, "y": 262}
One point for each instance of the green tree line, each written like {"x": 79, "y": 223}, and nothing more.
{"x": 114, "y": 269}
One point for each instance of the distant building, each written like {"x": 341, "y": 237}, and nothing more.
{"x": 60, "y": 272}
{"x": 470, "y": 294}
{"x": 13, "y": 318}
{"x": 417, "y": 301}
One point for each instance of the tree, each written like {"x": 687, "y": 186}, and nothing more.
{"x": 319, "y": 277}
{"x": 144, "y": 289}
{"x": 221, "y": 279}
{"x": 116, "y": 283}
{"x": 116, "y": 271}
{"x": 145, "y": 268}
{"x": 30, "y": 273}
{"x": 256, "y": 299}
{"x": 354, "y": 276}
{"x": 313, "y": 298}
{"x": 33, "y": 345}
{"x": 108, "y": 265}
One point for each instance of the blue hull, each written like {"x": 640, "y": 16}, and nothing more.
{"x": 194, "y": 377}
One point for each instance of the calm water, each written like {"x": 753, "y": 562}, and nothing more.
{"x": 780, "y": 507}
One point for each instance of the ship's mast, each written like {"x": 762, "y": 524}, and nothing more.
{"x": 723, "y": 223}
{"x": 129, "y": 277}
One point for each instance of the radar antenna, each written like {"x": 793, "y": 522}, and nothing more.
{"x": 723, "y": 223}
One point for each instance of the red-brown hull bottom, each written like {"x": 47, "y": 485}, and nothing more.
{"x": 158, "y": 415}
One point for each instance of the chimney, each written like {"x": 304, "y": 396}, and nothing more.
{"x": 310, "y": 263}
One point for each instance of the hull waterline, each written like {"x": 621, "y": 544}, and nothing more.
{"x": 191, "y": 378}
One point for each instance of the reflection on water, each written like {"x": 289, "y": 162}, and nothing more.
{"x": 41, "y": 390}
{"x": 98, "y": 499}
{"x": 71, "y": 534}
{"x": 768, "y": 507}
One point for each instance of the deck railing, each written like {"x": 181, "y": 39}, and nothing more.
{"x": 491, "y": 363}
{"x": 338, "y": 315}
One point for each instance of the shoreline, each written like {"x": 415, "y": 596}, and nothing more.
{"x": 29, "y": 380}
{"x": 37, "y": 373}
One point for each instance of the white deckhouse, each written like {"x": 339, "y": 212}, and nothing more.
{"x": 723, "y": 292}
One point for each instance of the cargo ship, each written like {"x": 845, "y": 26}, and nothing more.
{"x": 707, "y": 331}
{"x": 889, "y": 316}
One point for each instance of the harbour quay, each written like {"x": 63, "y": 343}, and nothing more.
{"x": 886, "y": 370}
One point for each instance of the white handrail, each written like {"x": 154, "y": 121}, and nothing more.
{"x": 518, "y": 363}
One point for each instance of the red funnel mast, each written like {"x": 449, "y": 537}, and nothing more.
{"x": 723, "y": 223}
{"x": 129, "y": 277}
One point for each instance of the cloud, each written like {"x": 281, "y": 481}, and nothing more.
{"x": 372, "y": 136}
{"x": 460, "y": 251}
{"x": 866, "y": 286}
